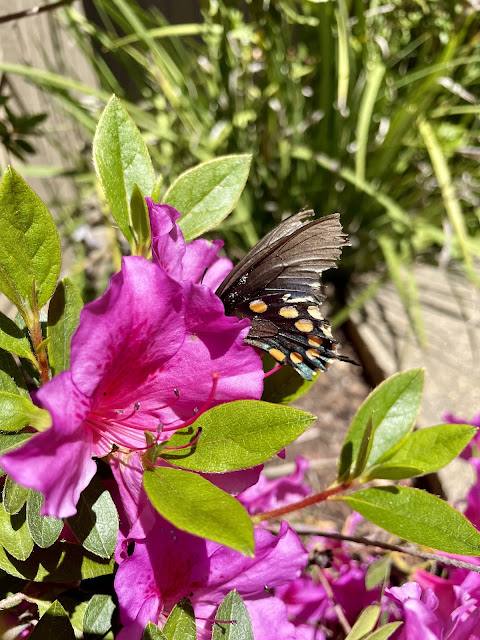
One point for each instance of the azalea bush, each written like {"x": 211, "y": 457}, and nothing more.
{"x": 133, "y": 431}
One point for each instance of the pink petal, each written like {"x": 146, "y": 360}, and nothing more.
{"x": 129, "y": 332}
{"x": 57, "y": 462}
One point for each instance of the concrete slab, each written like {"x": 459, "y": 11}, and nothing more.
{"x": 450, "y": 308}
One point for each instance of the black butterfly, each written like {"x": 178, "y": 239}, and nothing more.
{"x": 277, "y": 286}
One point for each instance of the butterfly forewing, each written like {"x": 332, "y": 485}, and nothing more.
{"x": 277, "y": 286}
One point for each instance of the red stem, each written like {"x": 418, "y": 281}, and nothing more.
{"x": 37, "y": 338}
{"x": 295, "y": 506}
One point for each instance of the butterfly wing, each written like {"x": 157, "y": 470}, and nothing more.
{"x": 277, "y": 286}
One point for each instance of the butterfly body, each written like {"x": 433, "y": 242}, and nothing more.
{"x": 277, "y": 286}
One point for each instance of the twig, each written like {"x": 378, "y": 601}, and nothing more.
{"x": 33, "y": 11}
{"x": 338, "y": 609}
{"x": 301, "y": 504}
{"x": 306, "y": 529}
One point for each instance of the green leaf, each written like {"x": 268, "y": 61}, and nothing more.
{"x": 206, "y": 194}
{"x": 365, "y": 622}
{"x": 10, "y": 441}
{"x": 63, "y": 318}
{"x": 384, "y": 632}
{"x": 284, "y": 386}
{"x": 17, "y": 412}
{"x": 424, "y": 451}
{"x": 63, "y": 562}
{"x": 152, "y": 632}
{"x": 180, "y": 624}
{"x": 121, "y": 160}
{"x": 394, "y": 405}
{"x": 140, "y": 222}
{"x": 378, "y": 572}
{"x": 53, "y": 624}
{"x": 30, "y": 256}
{"x": 448, "y": 189}
{"x": 98, "y": 615}
{"x": 11, "y": 379}
{"x": 195, "y": 505}
{"x": 14, "y": 495}
{"x": 237, "y": 435}
{"x": 13, "y": 339}
{"x": 43, "y": 529}
{"x": 364, "y": 450}
{"x": 157, "y": 187}
{"x": 95, "y": 525}
{"x": 14, "y": 534}
{"x": 232, "y": 608}
{"x": 417, "y": 516}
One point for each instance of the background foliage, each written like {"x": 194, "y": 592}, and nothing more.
{"x": 349, "y": 106}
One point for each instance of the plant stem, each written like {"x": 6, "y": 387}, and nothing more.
{"x": 307, "y": 529}
{"x": 306, "y": 502}
{"x": 37, "y": 339}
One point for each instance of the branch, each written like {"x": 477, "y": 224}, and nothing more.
{"x": 306, "y": 529}
{"x": 33, "y": 11}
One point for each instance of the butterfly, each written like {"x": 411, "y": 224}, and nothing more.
{"x": 277, "y": 286}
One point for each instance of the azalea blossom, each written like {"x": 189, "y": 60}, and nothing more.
{"x": 151, "y": 354}
{"x": 426, "y": 616}
{"x": 314, "y": 611}
{"x": 168, "y": 564}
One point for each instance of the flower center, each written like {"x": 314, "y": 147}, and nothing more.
{"x": 126, "y": 427}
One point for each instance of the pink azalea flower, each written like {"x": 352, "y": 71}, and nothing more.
{"x": 266, "y": 494}
{"x": 152, "y": 353}
{"x": 170, "y": 564}
{"x": 425, "y": 616}
{"x": 309, "y": 606}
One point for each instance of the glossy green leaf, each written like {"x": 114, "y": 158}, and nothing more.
{"x": 365, "y": 622}
{"x": 364, "y": 450}
{"x": 9, "y": 441}
{"x": 195, "y": 505}
{"x": 97, "y": 619}
{"x": 43, "y": 529}
{"x": 205, "y": 194}
{"x": 417, "y": 516}
{"x": 11, "y": 379}
{"x": 424, "y": 451}
{"x": 237, "y": 435}
{"x": 53, "y": 624}
{"x": 157, "y": 187}
{"x": 140, "y": 222}
{"x": 14, "y": 534}
{"x": 180, "y": 624}
{"x": 63, "y": 318}
{"x": 378, "y": 572}
{"x": 95, "y": 525}
{"x": 63, "y": 562}
{"x": 17, "y": 412}
{"x": 285, "y": 385}
{"x": 30, "y": 256}
{"x": 384, "y": 632}
{"x": 232, "y": 608}
{"x": 12, "y": 339}
{"x": 152, "y": 632}
{"x": 394, "y": 405}
{"x": 121, "y": 160}
{"x": 14, "y": 495}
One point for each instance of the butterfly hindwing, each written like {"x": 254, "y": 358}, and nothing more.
{"x": 277, "y": 286}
